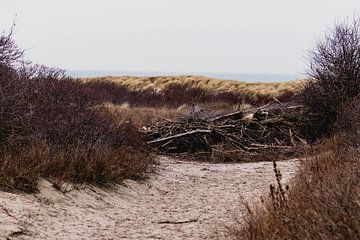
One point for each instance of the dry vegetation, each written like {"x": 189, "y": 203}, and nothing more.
{"x": 175, "y": 95}
{"x": 52, "y": 127}
{"x": 68, "y": 130}
{"x": 92, "y": 131}
{"x": 205, "y": 83}
{"x": 323, "y": 202}
{"x": 243, "y": 135}
{"x": 141, "y": 116}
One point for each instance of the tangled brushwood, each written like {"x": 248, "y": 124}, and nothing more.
{"x": 243, "y": 135}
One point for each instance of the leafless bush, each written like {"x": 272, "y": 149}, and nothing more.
{"x": 334, "y": 74}
{"x": 10, "y": 54}
{"x": 50, "y": 128}
{"x": 14, "y": 117}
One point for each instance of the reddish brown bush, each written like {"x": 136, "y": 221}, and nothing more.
{"x": 334, "y": 75}
{"x": 14, "y": 111}
{"x": 50, "y": 128}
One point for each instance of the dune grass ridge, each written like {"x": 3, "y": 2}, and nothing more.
{"x": 202, "y": 82}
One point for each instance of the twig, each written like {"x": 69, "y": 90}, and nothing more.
{"x": 180, "y": 135}
{"x": 234, "y": 115}
{"x": 179, "y": 222}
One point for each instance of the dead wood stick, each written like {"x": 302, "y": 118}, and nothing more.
{"x": 180, "y": 135}
{"x": 264, "y": 106}
{"x": 167, "y": 119}
{"x": 238, "y": 114}
{"x": 167, "y": 143}
{"x": 269, "y": 146}
{"x": 271, "y": 120}
{"x": 292, "y": 138}
{"x": 227, "y": 126}
{"x": 179, "y": 222}
{"x": 301, "y": 140}
{"x": 294, "y": 107}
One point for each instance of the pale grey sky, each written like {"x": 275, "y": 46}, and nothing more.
{"x": 259, "y": 36}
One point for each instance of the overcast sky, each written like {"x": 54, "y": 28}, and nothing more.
{"x": 231, "y": 36}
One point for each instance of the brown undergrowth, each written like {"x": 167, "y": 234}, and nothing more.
{"x": 322, "y": 202}
{"x": 100, "y": 165}
{"x": 52, "y": 127}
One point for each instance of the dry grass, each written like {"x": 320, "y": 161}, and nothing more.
{"x": 141, "y": 116}
{"x": 99, "y": 165}
{"x": 144, "y": 116}
{"x": 322, "y": 203}
{"x": 176, "y": 94}
{"x": 211, "y": 84}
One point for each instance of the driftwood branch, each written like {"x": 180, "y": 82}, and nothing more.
{"x": 276, "y": 126}
{"x": 180, "y": 135}
{"x": 234, "y": 115}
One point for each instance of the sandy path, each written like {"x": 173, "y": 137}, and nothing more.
{"x": 186, "y": 200}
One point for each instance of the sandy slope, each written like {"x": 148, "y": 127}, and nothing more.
{"x": 186, "y": 200}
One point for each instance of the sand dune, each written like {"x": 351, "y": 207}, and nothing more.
{"x": 213, "y": 84}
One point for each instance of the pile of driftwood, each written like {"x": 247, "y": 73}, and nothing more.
{"x": 274, "y": 126}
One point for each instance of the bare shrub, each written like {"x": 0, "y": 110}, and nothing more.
{"x": 10, "y": 54}
{"x": 14, "y": 111}
{"x": 50, "y": 128}
{"x": 333, "y": 75}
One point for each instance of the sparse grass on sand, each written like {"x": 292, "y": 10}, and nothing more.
{"x": 211, "y": 84}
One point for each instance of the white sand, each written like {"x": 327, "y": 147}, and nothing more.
{"x": 185, "y": 200}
